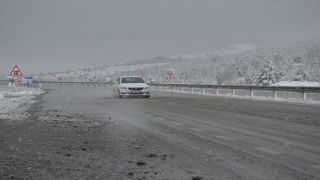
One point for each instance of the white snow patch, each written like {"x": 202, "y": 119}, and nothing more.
{"x": 296, "y": 84}
{"x": 14, "y": 104}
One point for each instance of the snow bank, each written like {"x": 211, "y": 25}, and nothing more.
{"x": 14, "y": 105}
{"x": 297, "y": 84}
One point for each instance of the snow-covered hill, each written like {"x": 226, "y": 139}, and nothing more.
{"x": 299, "y": 61}
{"x": 223, "y": 51}
{"x": 98, "y": 74}
{"x": 104, "y": 73}
{"x": 237, "y": 65}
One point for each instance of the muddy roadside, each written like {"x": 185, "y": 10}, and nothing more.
{"x": 57, "y": 145}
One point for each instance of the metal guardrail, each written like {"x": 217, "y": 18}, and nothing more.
{"x": 90, "y": 84}
{"x": 21, "y": 85}
{"x": 305, "y": 92}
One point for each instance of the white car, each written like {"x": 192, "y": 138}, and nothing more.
{"x": 131, "y": 86}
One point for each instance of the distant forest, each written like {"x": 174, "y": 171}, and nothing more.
{"x": 299, "y": 61}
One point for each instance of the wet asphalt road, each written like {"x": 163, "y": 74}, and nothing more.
{"x": 257, "y": 139}
{"x": 210, "y": 137}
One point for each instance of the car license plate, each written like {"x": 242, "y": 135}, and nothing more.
{"x": 135, "y": 91}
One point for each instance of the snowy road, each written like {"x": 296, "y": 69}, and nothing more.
{"x": 183, "y": 136}
{"x": 264, "y": 140}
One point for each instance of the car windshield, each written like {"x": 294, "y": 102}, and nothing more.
{"x": 132, "y": 80}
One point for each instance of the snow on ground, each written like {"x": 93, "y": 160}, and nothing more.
{"x": 297, "y": 84}
{"x": 14, "y": 104}
{"x": 290, "y": 100}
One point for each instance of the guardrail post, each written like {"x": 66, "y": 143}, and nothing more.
{"x": 181, "y": 89}
{"x": 217, "y": 91}
{"x": 233, "y": 92}
{"x": 174, "y": 87}
{"x": 203, "y": 90}
{"x": 165, "y": 88}
{"x": 274, "y": 94}
{"x": 251, "y": 93}
{"x": 191, "y": 89}
{"x": 304, "y": 95}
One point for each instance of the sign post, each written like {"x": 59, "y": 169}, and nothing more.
{"x": 16, "y": 72}
{"x": 16, "y": 82}
{"x": 169, "y": 72}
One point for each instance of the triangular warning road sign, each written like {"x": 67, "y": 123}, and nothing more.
{"x": 16, "y": 71}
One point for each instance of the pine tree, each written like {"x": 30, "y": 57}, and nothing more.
{"x": 219, "y": 78}
{"x": 302, "y": 74}
{"x": 317, "y": 78}
{"x": 268, "y": 74}
{"x": 251, "y": 77}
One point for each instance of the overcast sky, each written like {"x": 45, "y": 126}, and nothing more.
{"x": 54, "y": 35}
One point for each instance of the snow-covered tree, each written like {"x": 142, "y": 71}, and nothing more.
{"x": 302, "y": 74}
{"x": 251, "y": 77}
{"x": 268, "y": 73}
{"x": 317, "y": 78}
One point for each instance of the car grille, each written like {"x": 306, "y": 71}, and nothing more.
{"x": 136, "y": 93}
{"x": 135, "y": 89}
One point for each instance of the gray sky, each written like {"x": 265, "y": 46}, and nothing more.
{"x": 53, "y": 35}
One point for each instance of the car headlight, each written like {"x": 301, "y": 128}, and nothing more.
{"x": 123, "y": 88}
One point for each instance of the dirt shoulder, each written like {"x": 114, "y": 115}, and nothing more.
{"x": 57, "y": 147}
{"x": 77, "y": 146}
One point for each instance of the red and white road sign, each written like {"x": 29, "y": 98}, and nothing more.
{"x": 59, "y": 78}
{"x": 168, "y": 77}
{"x": 16, "y": 71}
{"x": 16, "y": 81}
